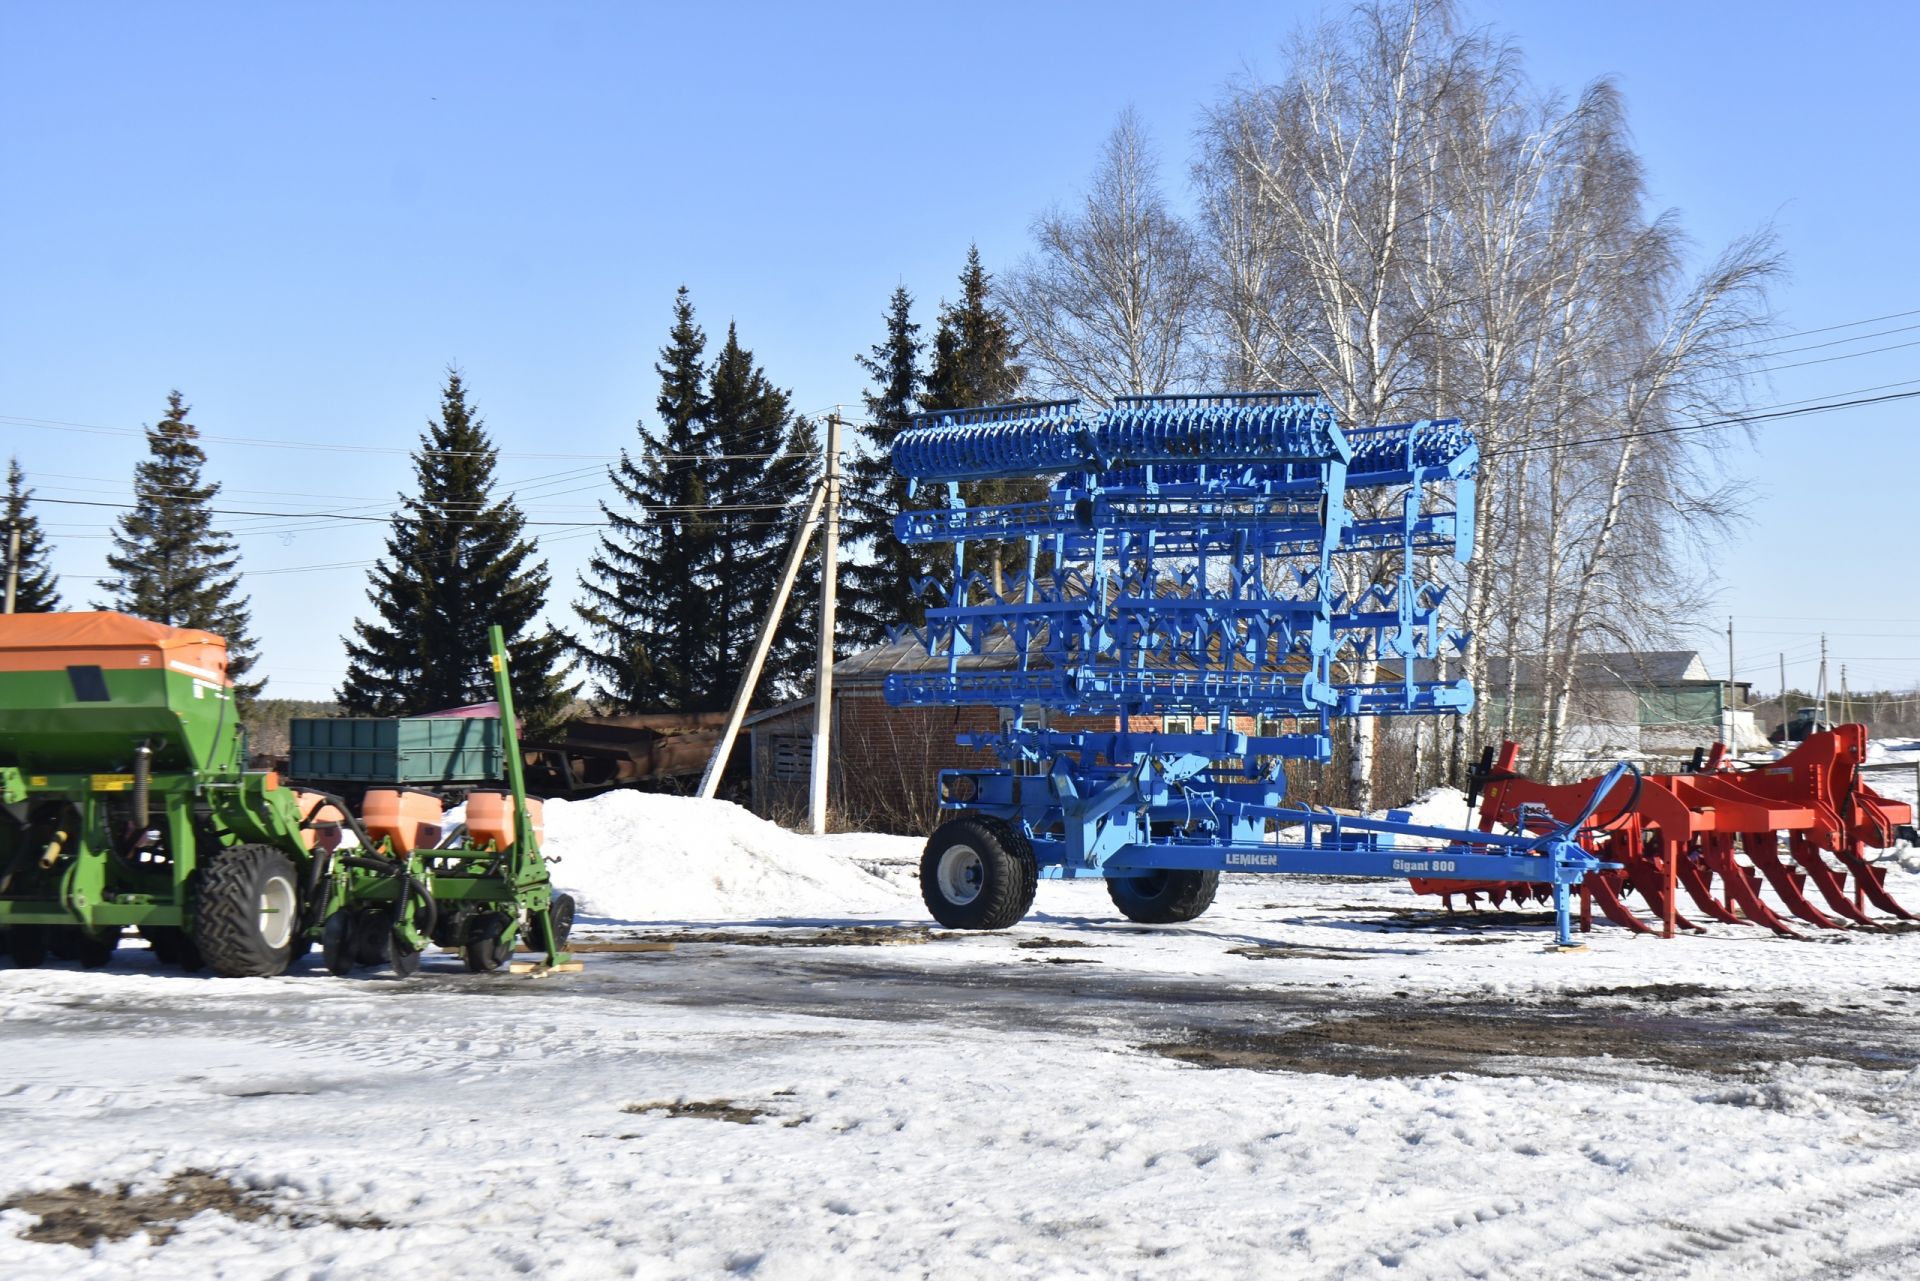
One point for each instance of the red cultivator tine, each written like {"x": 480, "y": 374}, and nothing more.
{"x": 1826, "y": 880}
{"x": 1699, "y": 888}
{"x": 1869, "y": 880}
{"x": 1764, "y": 849}
{"x": 1611, "y": 906}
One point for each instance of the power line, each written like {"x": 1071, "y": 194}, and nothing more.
{"x": 1705, "y": 426}
{"x": 687, "y": 509}
{"x": 1827, "y": 329}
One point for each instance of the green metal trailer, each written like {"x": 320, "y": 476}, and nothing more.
{"x": 400, "y": 751}
{"x": 126, "y": 804}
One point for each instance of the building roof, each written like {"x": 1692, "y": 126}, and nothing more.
{"x": 909, "y": 655}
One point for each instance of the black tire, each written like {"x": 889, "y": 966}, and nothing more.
{"x": 27, "y": 945}
{"x": 1164, "y": 897}
{"x": 172, "y": 947}
{"x": 96, "y": 947}
{"x": 977, "y": 873}
{"x": 246, "y": 911}
{"x": 483, "y": 951}
{"x": 337, "y": 944}
{"x": 370, "y": 936}
{"x": 560, "y": 910}
{"x": 405, "y": 961}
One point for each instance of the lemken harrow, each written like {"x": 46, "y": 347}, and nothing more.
{"x": 1185, "y": 562}
{"x": 1713, "y": 834}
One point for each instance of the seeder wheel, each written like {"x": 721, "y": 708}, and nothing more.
{"x": 337, "y": 948}
{"x": 246, "y": 911}
{"x": 484, "y": 951}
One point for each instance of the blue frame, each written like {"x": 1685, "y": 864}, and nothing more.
{"x": 1186, "y": 560}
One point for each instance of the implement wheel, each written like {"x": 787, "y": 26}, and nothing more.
{"x": 977, "y": 873}
{"x": 27, "y": 945}
{"x": 171, "y": 946}
{"x": 246, "y": 911}
{"x": 483, "y": 951}
{"x": 1165, "y": 897}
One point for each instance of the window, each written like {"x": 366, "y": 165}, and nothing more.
{"x": 792, "y": 758}
{"x": 1680, "y": 705}
{"x": 89, "y": 684}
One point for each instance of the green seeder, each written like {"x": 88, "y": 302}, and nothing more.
{"x": 127, "y": 803}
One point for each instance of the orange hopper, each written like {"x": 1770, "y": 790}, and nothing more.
{"x": 490, "y": 819}
{"x": 407, "y": 820}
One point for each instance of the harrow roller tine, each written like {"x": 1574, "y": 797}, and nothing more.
{"x": 1868, "y": 878}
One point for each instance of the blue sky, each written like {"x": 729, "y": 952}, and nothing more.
{"x": 300, "y": 214}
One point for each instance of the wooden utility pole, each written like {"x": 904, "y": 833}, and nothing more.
{"x": 823, "y": 666}
{"x": 710, "y": 780}
{"x": 13, "y": 562}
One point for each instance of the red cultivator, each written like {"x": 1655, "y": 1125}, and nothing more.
{"x": 1714, "y": 836}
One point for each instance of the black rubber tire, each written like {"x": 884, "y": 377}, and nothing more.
{"x": 1165, "y": 897}
{"x": 226, "y": 911}
{"x": 483, "y": 951}
{"x": 337, "y": 944}
{"x": 561, "y": 910}
{"x": 27, "y": 945}
{"x": 404, "y": 960}
{"x": 1002, "y": 875}
{"x": 172, "y": 947}
{"x": 96, "y": 947}
{"x": 369, "y": 934}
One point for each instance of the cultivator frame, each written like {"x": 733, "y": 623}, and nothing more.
{"x": 1186, "y": 560}
{"x": 1712, "y": 834}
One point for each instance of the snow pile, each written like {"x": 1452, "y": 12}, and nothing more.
{"x": 641, "y": 856}
{"x": 1440, "y": 807}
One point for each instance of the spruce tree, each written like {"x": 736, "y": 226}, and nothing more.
{"x": 36, "y": 588}
{"x": 170, "y": 564}
{"x": 457, "y": 562}
{"x": 646, "y": 609}
{"x": 877, "y": 590}
{"x": 975, "y": 363}
{"x": 763, "y": 466}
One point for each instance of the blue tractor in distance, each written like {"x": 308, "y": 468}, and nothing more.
{"x": 1179, "y": 632}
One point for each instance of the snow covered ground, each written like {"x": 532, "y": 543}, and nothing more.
{"x": 1317, "y": 1079}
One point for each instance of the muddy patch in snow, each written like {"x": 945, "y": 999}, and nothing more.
{"x": 1504, "y": 1041}
{"x": 707, "y": 1109}
{"x": 834, "y": 936}
{"x": 83, "y": 1215}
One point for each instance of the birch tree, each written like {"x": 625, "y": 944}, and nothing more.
{"x": 1107, "y": 303}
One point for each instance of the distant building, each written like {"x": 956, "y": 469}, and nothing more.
{"x": 1661, "y": 703}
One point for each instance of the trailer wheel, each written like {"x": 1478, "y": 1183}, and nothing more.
{"x": 246, "y": 911}
{"x": 1165, "y": 897}
{"x": 977, "y": 873}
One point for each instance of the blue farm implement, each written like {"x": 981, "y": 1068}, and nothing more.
{"x": 1181, "y": 631}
